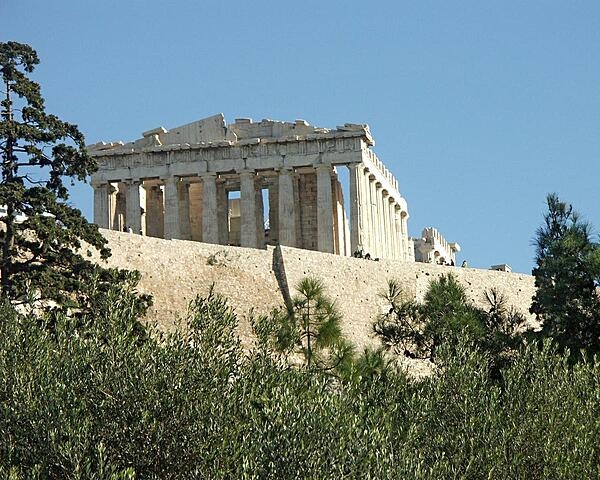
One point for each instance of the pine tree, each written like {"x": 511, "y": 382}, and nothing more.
{"x": 45, "y": 242}
{"x": 567, "y": 275}
{"x": 312, "y": 328}
{"x": 445, "y": 318}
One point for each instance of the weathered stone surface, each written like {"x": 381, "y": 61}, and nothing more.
{"x": 246, "y": 157}
{"x": 432, "y": 247}
{"x": 174, "y": 271}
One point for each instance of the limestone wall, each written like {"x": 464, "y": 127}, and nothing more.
{"x": 174, "y": 271}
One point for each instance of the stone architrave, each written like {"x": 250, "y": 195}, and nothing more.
{"x": 324, "y": 210}
{"x": 133, "y": 213}
{"x": 101, "y": 202}
{"x": 250, "y": 216}
{"x": 210, "y": 225}
{"x": 287, "y": 209}
{"x": 172, "y": 214}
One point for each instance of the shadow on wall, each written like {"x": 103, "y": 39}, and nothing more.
{"x": 278, "y": 267}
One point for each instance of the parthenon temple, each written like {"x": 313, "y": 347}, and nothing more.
{"x": 252, "y": 184}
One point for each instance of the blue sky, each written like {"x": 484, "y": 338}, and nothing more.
{"x": 479, "y": 108}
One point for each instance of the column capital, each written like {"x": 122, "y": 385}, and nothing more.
{"x": 358, "y": 167}
{"x": 323, "y": 166}
{"x": 247, "y": 173}
{"x": 96, "y": 183}
{"x": 170, "y": 179}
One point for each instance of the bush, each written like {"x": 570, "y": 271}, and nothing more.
{"x": 106, "y": 402}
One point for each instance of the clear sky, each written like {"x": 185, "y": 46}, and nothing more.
{"x": 480, "y": 108}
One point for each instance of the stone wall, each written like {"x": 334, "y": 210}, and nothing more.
{"x": 175, "y": 271}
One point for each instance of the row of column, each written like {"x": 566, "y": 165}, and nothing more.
{"x": 378, "y": 223}
{"x": 168, "y": 215}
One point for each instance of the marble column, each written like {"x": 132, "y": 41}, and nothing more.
{"x": 404, "y": 227}
{"x": 260, "y": 213}
{"x": 101, "y": 204}
{"x": 172, "y": 216}
{"x": 385, "y": 223}
{"x": 398, "y": 231}
{"x": 185, "y": 226}
{"x": 222, "y": 213}
{"x": 195, "y": 194}
{"x": 357, "y": 223}
{"x": 210, "y": 226}
{"x": 155, "y": 215}
{"x": 120, "y": 210}
{"x": 324, "y": 209}
{"x": 375, "y": 249}
{"x": 113, "y": 206}
{"x": 380, "y": 219}
{"x": 273, "y": 196}
{"x": 392, "y": 224}
{"x": 249, "y": 211}
{"x": 366, "y": 209}
{"x": 133, "y": 213}
{"x": 287, "y": 209}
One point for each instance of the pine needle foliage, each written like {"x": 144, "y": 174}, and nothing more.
{"x": 311, "y": 328}
{"x": 418, "y": 330}
{"x": 45, "y": 243}
{"x": 567, "y": 276}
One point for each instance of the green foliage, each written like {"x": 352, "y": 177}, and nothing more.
{"x": 567, "y": 275}
{"x": 101, "y": 402}
{"x": 312, "y": 329}
{"x": 446, "y": 316}
{"x": 45, "y": 256}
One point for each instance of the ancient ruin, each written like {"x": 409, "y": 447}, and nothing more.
{"x": 208, "y": 181}
{"x": 432, "y": 247}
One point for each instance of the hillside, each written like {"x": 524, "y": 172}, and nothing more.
{"x": 175, "y": 271}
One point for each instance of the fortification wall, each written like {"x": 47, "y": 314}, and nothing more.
{"x": 174, "y": 271}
